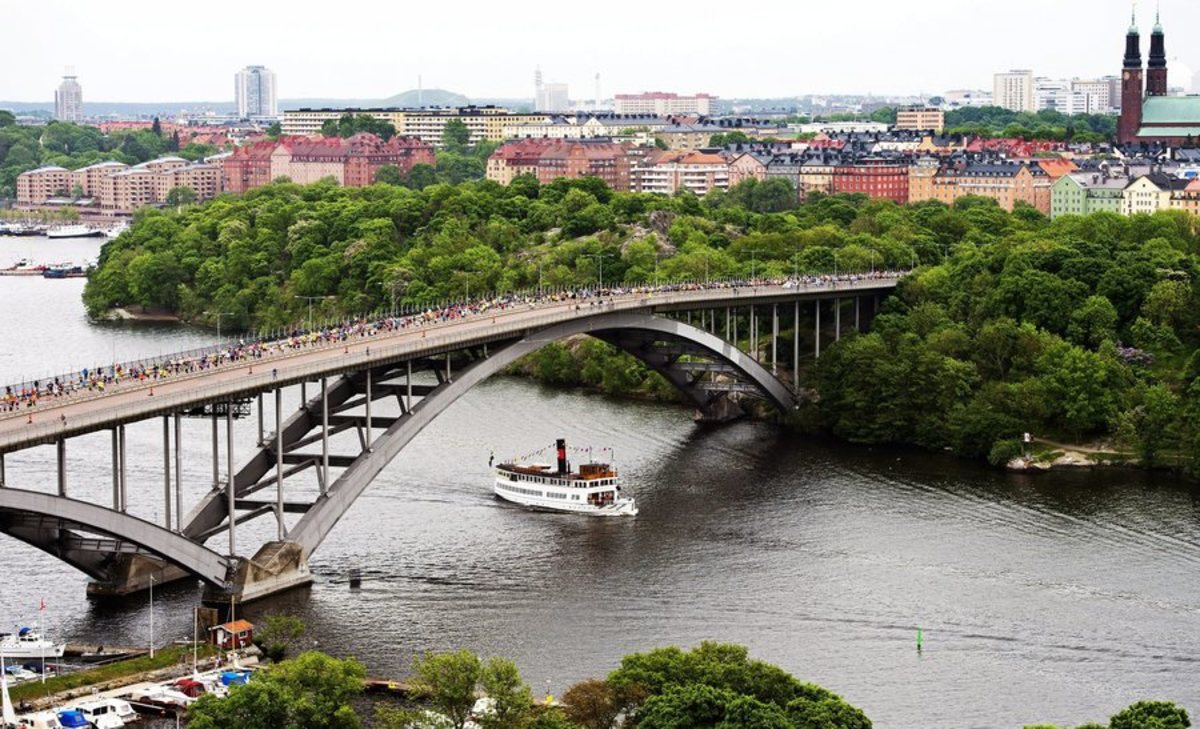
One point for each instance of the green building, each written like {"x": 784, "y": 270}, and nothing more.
{"x": 1081, "y": 193}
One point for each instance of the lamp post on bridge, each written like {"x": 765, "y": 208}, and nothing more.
{"x": 600, "y": 260}
{"x": 310, "y": 300}
{"x": 403, "y": 285}
{"x": 754, "y": 265}
{"x": 220, "y": 314}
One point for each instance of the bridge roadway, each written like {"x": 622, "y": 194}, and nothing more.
{"x": 55, "y": 419}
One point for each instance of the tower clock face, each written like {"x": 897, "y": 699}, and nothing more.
{"x": 1126, "y": 75}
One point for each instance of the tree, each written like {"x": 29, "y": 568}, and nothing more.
{"x": 510, "y": 699}
{"x": 447, "y": 681}
{"x": 1151, "y": 715}
{"x": 279, "y": 634}
{"x": 156, "y": 127}
{"x": 179, "y": 196}
{"x": 456, "y": 135}
{"x": 421, "y": 176}
{"x": 311, "y": 691}
{"x": 591, "y": 704}
{"x": 275, "y": 130}
{"x": 389, "y": 175}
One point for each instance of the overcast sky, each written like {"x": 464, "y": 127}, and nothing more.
{"x": 133, "y": 50}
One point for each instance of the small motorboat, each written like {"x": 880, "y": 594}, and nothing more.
{"x": 100, "y": 714}
{"x": 40, "y": 720}
{"x": 73, "y": 719}
{"x": 23, "y": 267}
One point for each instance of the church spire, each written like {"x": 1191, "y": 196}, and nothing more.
{"x": 1156, "y": 75}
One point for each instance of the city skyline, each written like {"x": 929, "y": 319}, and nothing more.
{"x": 888, "y": 50}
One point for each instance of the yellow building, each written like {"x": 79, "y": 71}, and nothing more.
{"x": 428, "y": 125}
{"x": 921, "y": 119}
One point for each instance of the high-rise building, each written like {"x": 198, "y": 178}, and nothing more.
{"x": 553, "y": 97}
{"x": 1014, "y": 90}
{"x": 68, "y": 99}
{"x": 254, "y": 92}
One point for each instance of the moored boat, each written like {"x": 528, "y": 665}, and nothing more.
{"x": 64, "y": 270}
{"x": 594, "y": 489}
{"x": 73, "y": 231}
{"x": 23, "y": 267}
{"x": 28, "y": 642}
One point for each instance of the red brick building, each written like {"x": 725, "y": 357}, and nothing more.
{"x": 367, "y": 153}
{"x": 352, "y": 162}
{"x": 248, "y": 167}
{"x": 549, "y": 159}
{"x": 879, "y": 179}
{"x": 608, "y": 161}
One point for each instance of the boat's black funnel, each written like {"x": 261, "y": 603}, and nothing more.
{"x": 561, "y": 445}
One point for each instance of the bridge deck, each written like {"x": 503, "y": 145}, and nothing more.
{"x": 90, "y": 411}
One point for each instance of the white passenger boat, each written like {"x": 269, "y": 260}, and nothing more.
{"x": 28, "y": 642}
{"x": 74, "y": 231}
{"x": 594, "y": 489}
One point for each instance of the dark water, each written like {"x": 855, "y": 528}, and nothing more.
{"x": 1057, "y": 598}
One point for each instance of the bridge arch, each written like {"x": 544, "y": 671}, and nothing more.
{"x": 46, "y": 521}
{"x": 615, "y": 328}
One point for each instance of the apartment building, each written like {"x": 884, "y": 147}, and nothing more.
{"x": 921, "y": 119}
{"x": 90, "y": 178}
{"x": 428, "y": 125}
{"x": 248, "y": 167}
{"x": 667, "y": 172}
{"x": 662, "y": 103}
{"x": 1083, "y": 193}
{"x": 876, "y": 177}
{"x": 35, "y": 187}
{"x": 548, "y": 159}
{"x": 1014, "y": 90}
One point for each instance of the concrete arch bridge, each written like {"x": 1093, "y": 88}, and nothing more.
{"x": 690, "y": 337}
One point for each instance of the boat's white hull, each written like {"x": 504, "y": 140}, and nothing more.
{"x": 11, "y": 652}
{"x": 505, "y": 490}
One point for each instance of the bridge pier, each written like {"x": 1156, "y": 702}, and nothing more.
{"x": 276, "y": 567}
{"x": 133, "y": 573}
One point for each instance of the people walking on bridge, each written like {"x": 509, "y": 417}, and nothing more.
{"x": 100, "y": 379}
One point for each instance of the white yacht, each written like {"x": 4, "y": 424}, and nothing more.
{"x": 73, "y": 231}
{"x": 28, "y": 642}
{"x": 594, "y": 489}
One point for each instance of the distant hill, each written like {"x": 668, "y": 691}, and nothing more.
{"x": 426, "y": 97}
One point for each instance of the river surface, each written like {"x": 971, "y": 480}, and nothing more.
{"x": 1058, "y": 598}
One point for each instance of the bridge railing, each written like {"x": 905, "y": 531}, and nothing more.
{"x": 284, "y": 348}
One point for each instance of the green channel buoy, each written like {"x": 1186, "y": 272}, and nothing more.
{"x": 920, "y": 640}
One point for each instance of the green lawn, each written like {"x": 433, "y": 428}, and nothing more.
{"x": 170, "y": 656}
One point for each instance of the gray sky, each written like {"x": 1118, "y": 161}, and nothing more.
{"x": 133, "y": 50}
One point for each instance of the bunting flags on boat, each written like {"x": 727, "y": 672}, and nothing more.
{"x": 579, "y": 450}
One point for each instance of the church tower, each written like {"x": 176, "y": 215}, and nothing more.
{"x": 1131, "y": 87}
{"x": 1156, "y": 69}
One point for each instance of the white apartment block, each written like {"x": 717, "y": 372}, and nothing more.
{"x": 661, "y": 103}
{"x": 68, "y": 99}
{"x": 1014, "y": 90}
{"x": 254, "y": 92}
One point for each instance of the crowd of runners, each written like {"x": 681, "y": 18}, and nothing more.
{"x": 100, "y": 379}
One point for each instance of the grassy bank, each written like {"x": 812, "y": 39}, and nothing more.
{"x": 112, "y": 672}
